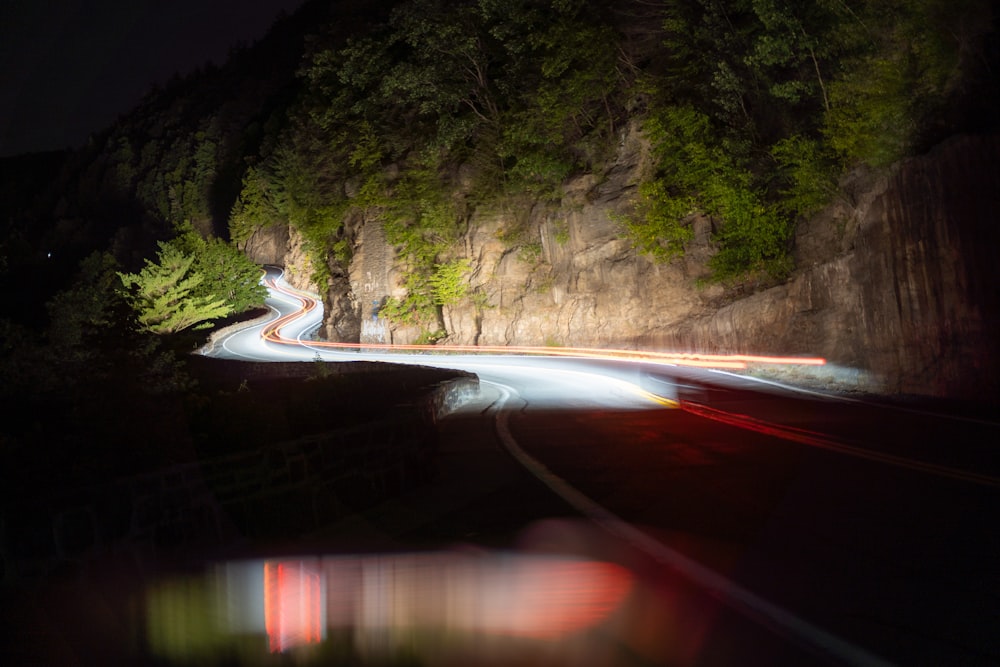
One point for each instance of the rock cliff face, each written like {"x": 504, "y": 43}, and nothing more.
{"x": 926, "y": 265}
{"x": 896, "y": 280}
{"x": 281, "y": 245}
{"x": 560, "y": 274}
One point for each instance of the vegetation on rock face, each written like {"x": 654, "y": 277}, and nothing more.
{"x": 418, "y": 113}
{"x": 757, "y": 106}
{"x": 754, "y": 108}
{"x": 518, "y": 92}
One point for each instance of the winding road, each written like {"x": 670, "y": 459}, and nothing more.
{"x": 769, "y": 524}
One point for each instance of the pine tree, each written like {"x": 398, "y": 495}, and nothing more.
{"x": 161, "y": 294}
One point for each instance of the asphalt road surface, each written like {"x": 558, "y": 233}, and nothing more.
{"x": 766, "y": 525}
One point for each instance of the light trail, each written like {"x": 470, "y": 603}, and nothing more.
{"x": 308, "y": 302}
{"x": 821, "y": 441}
{"x": 814, "y": 439}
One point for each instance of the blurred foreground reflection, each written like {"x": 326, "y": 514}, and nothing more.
{"x": 563, "y": 593}
{"x": 431, "y": 607}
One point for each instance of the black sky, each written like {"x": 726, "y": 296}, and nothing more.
{"x": 68, "y": 68}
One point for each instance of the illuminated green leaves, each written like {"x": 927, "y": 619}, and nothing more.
{"x": 448, "y": 282}
{"x": 697, "y": 176}
{"x": 162, "y": 294}
{"x": 808, "y": 169}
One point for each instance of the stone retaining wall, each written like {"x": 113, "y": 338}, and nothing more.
{"x": 273, "y": 493}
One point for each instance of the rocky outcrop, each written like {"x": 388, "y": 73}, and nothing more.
{"x": 342, "y": 320}
{"x": 282, "y": 245}
{"x": 925, "y": 263}
{"x": 268, "y": 245}
{"x": 566, "y": 274}
{"x": 896, "y": 280}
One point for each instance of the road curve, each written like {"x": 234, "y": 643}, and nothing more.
{"x": 832, "y": 442}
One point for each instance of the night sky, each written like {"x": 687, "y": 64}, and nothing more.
{"x": 68, "y": 68}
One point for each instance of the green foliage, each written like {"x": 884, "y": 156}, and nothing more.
{"x": 761, "y": 101}
{"x": 571, "y": 79}
{"x": 87, "y": 307}
{"x": 430, "y": 337}
{"x": 448, "y": 282}
{"x": 89, "y": 342}
{"x": 817, "y": 85}
{"x": 698, "y": 176}
{"x": 447, "y": 64}
{"x": 175, "y": 173}
{"x": 530, "y": 252}
{"x": 795, "y": 45}
{"x": 422, "y": 222}
{"x": 892, "y": 87}
{"x": 808, "y": 171}
{"x": 753, "y": 239}
{"x": 227, "y": 272}
{"x": 870, "y": 119}
{"x": 561, "y": 234}
{"x": 660, "y": 227}
{"x": 368, "y": 152}
{"x": 417, "y": 308}
{"x": 124, "y": 160}
{"x": 518, "y": 87}
{"x": 87, "y": 325}
{"x": 529, "y": 166}
{"x": 255, "y": 208}
{"x": 298, "y": 185}
{"x": 164, "y": 294}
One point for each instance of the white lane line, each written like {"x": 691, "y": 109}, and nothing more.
{"x": 771, "y": 616}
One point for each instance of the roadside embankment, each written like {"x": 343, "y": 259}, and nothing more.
{"x": 264, "y": 454}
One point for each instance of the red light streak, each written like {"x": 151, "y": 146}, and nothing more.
{"x": 822, "y": 441}
{"x": 292, "y": 605}
{"x": 554, "y": 599}
{"x": 272, "y": 333}
{"x": 544, "y": 598}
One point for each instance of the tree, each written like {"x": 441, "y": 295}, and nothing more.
{"x": 83, "y": 334}
{"x": 163, "y": 294}
{"x": 872, "y": 117}
{"x": 228, "y": 273}
{"x": 808, "y": 170}
{"x": 660, "y": 226}
{"x": 796, "y": 40}
{"x": 450, "y": 63}
{"x": 255, "y": 208}
{"x": 87, "y": 311}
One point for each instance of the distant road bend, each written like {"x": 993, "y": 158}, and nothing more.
{"x": 623, "y": 378}
{"x": 842, "y": 527}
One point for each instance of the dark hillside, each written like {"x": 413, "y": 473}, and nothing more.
{"x": 180, "y": 154}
